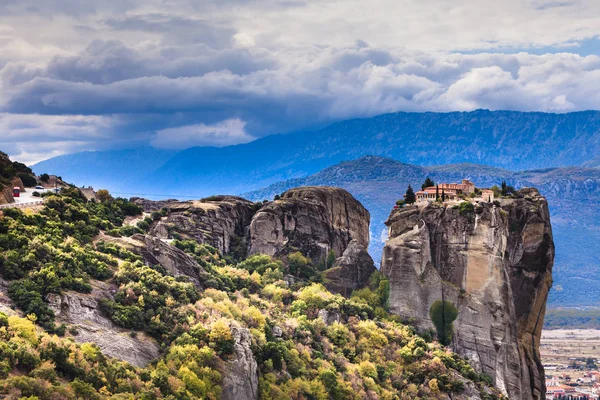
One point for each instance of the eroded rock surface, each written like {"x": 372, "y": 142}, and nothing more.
{"x": 219, "y": 221}
{"x": 495, "y": 265}
{"x": 155, "y": 251}
{"x": 82, "y": 311}
{"x": 312, "y": 220}
{"x": 351, "y": 271}
{"x": 240, "y": 377}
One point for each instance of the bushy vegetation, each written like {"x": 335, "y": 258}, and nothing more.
{"x": 52, "y": 251}
{"x": 442, "y": 314}
{"x": 11, "y": 169}
{"x": 308, "y": 342}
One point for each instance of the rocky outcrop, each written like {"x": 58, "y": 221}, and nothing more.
{"x": 240, "y": 377}
{"x": 6, "y": 195}
{"x": 351, "y": 271}
{"x": 6, "y": 304}
{"x": 219, "y": 221}
{"x": 494, "y": 264}
{"x": 152, "y": 205}
{"x": 155, "y": 251}
{"x": 81, "y": 311}
{"x": 17, "y": 182}
{"x": 312, "y": 220}
{"x": 6, "y": 191}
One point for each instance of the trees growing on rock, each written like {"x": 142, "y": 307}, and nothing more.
{"x": 409, "y": 197}
{"x": 428, "y": 183}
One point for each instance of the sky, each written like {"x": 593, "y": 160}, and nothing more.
{"x": 81, "y": 75}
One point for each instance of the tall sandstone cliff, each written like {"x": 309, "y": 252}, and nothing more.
{"x": 494, "y": 264}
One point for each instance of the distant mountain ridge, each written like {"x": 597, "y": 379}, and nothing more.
{"x": 503, "y": 139}
{"x": 573, "y": 194}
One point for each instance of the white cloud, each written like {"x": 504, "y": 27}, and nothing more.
{"x": 31, "y": 138}
{"x": 139, "y": 71}
{"x": 223, "y": 133}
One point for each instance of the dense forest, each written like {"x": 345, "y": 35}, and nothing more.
{"x": 368, "y": 353}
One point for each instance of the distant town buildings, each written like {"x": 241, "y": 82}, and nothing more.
{"x": 561, "y": 387}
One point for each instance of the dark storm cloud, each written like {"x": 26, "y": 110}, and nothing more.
{"x": 81, "y": 75}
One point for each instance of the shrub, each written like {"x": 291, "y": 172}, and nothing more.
{"x": 220, "y": 337}
{"x": 260, "y": 263}
{"x": 103, "y": 195}
{"x": 442, "y": 314}
{"x": 27, "y": 179}
{"x": 466, "y": 208}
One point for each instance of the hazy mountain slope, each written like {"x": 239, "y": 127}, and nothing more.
{"x": 117, "y": 170}
{"x": 593, "y": 163}
{"x": 573, "y": 195}
{"x": 505, "y": 139}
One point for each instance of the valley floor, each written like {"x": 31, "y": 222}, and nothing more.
{"x": 570, "y": 358}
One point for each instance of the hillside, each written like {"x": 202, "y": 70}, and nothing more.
{"x": 102, "y": 169}
{"x": 13, "y": 173}
{"x": 573, "y": 196}
{"x": 188, "y": 322}
{"x": 503, "y": 139}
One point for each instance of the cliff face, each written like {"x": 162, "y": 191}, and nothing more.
{"x": 494, "y": 264}
{"x": 82, "y": 311}
{"x": 351, "y": 271}
{"x": 220, "y": 221}
{"x": 312, "y": 220}
{"x": 178, "y": 263}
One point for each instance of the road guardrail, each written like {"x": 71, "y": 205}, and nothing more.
{"x": 21, "y": 205}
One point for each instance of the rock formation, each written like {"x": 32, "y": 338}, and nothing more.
{"x": 155, "y": 251}
{"x": 6, "y": 192}
{"x": 219, "y": 221}
{"x": 351, "y": 271}
{"x": 312, "y": 220}
{"x": 494, "y": 264}
{"x": 82, "y": 311}
{"x": 240, "y": 375}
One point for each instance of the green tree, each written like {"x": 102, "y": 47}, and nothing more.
{"x": 44, "y": 177}
{"x": 330, "y": 258}
{"x": 298, "y": 264}
{"x": 437, "y": 192}
{"x": 590, "y": 363}
{"x": 442, "y": 314}
{"x": 443, "y": 195}
{"x": 410, "y": 197}
{"x": 27, "y": 179}
{"x": 507, "y": 190}
{"x": 103, "y": 195}
{"x": 428, "y": 183}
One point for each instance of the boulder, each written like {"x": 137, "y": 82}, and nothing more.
{"x": 155, "y": 251}
{"x": 351, "y": 271}
{"x": 312, "y": 220}
{"x": 494, "y": 264}
{"x": 219, "y": 221}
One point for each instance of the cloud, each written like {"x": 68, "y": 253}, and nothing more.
{"x": 31, "y": 138}
{"x": 127, "y": 72}
{"x": 223, "y": 133}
